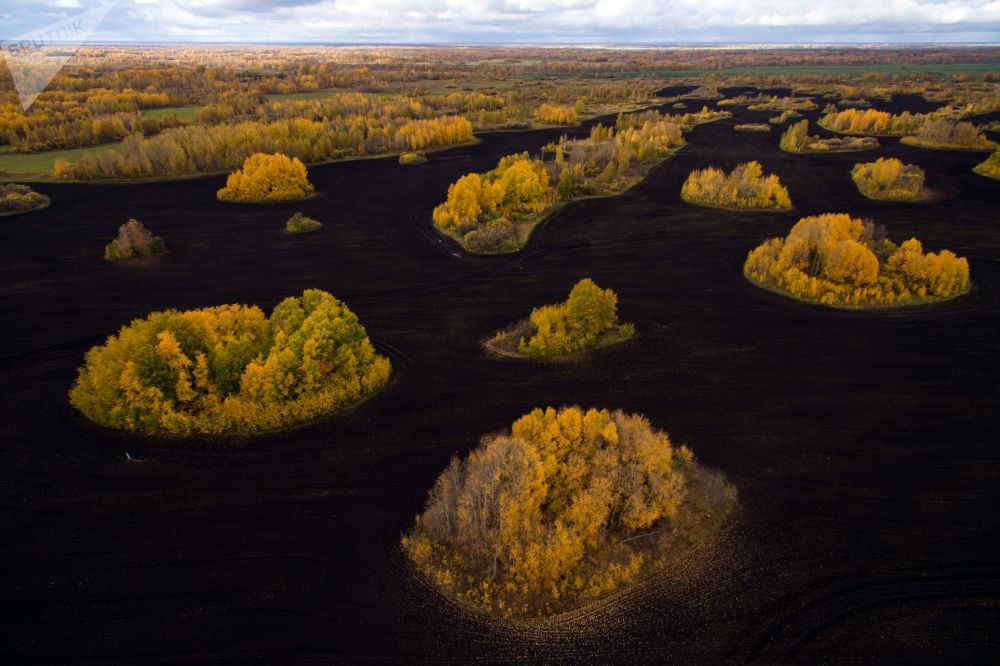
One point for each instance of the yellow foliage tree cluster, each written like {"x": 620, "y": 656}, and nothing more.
{"x": 990, "y": 167}
{"x": 230, "y": 368}
{"x": 556, "y": 115}
{"x": 567, "y": 507}
{"x": 835, "y": 259}
{"x": 746, "y": 186}
{"x": 267, "y": 178}
{"x": 796, "y": 139}
{"x": 574, "y": 325}
{"x": 888, "y": 179}
{"x": 948, "y": 134}
{"x": 871, "y": 121}
{"x": 485, "y": 206}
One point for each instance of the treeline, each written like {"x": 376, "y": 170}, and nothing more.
{"x": 230, "y": 368}
{"x": 870, "y": 121}
{"x": 835, "y": 259}
{"x": 556, "y": 115}
{"x": 568, "y": 506}
{"x": 196, "y": 149}
{"x": 40, "y": 131}
{"x": 745, "y": 186}
{"x": 888, "y": 179}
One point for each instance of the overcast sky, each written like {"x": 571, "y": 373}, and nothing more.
{"x": 523, "y": 21}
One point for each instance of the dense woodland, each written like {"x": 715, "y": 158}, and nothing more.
{"x": 835, "y": 259}
{"x": 888, "y": 179}
{"x": 587, "y": 319}
{"x": 230, "y": 368}
{"x": 267, "y": 178}
{"x": 745, "y": 187}
{"x": 568, "y": 506}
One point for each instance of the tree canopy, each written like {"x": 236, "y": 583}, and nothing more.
{"x": 835, "y": 259}
{"x": 888, "y": 179}
{"x": 745, "y": 186}
{"x": 230, "y": 369}
{"x": 566, "y": 507}
{"x": 267, "y": 178}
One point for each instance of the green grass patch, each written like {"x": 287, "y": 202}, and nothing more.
{"x": 39, "y": 166}
{"x": 185, "y": 113}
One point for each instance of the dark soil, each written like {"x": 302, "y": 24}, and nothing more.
{"x": 863, "y": 444}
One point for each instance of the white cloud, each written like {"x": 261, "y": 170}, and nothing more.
{"x": 661, "y": 21}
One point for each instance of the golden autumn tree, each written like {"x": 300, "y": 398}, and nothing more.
{"x": 838, "y": 260}
{"x": 230, "y": 368}
{"x": 888, "y": 179}
{"x": 267, "y": 178}
{"x": 745, "y": 186}
{"x": 567, "y": 506}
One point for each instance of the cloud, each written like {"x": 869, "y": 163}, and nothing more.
{"x": 546, "y": 21}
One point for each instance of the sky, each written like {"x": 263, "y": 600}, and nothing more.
{"x": 661, "y": 22}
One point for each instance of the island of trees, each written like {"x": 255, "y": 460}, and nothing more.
{"x": 134, "y": 240}
{"x": 888, "y": 179}
{"x": 587, "y": 319}
{"x": 496, "y": 211}
{"x": 838, "y": 260}
{"x": 300, "y": 224}
{"x": 947, "y": 134}
{"x": 796, "y": 139}
{"x": 412, "y": 158}
{"x": 752, "y": 127}
{"x": 15, "y": 199}
{"x": 990, "y": 167}
{"x": 745, "y": 187}
{"x": 870, "y": 122}
{"x": 267, "y": 179}
{"x": 940, "y": 129}
{"x": 567, "y": 507}
{"x": 230, "y": 369}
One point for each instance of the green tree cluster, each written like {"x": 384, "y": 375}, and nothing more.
{"x": 568, "y": 506}
{"x": 888, "y": 179}
{"x": 745, "y": 186}
{"x": 838, "y": 260}
{"x": 134, "y": 240}
{"x": 230, "y": 369}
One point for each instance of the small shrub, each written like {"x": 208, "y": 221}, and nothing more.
{"x": 16, "y": 198}
{"x": 300, "y": 224}
{"x": 410, "y": 159}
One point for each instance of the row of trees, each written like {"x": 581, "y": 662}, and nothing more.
{"x": 888, "y": 179}
{"x": 16, "y": 198}
{"x": 796, "y": 139}
{"x": 949, "y": 134}
{"x": 556, "y": 115}
{"x": 870, "y": 121}
{"x": 197, "y": 149}
{"x": 745, "y": 186}
{"x": 230, "y": 368}
{"x": 568, "y": 506}
{"x": 835, "y": 259}
{"x": 267, "y": 178}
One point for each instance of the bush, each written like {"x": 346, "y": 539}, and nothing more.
{"x": 300, "y": 224}
{"x": 134, "y": 240}
{"x": 834, "y": 259}
{"x": 753, "y": 127}
{"x": 889, "y": 180}
{"x": 588, "y": 318}
{"x": 410, "y": 159}
{"x": 565, "y": 508}
{"x": 267, "y": 178}
{"x": 746, "y": 186}
{"x": 990, "y": 167}
{"x": 16, "y": 198}
{"x": 230, "y": 369}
